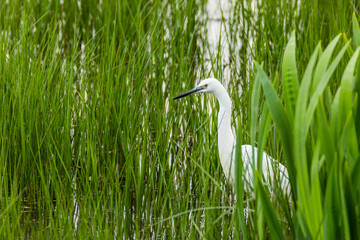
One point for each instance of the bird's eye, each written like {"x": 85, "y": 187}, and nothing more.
{"x": 205, "y": 85}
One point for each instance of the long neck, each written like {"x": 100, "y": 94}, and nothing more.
{"x": 226, "y": 138}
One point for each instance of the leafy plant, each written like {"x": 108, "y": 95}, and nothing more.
{"x": 318, "y": 128}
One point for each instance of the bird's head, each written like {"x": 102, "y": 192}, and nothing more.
{"x": 210, "y": 85}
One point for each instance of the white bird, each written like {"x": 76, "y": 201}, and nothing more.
{"x": 227, "y": 143}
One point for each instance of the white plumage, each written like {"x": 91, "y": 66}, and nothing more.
{"x": 272, "y": 170}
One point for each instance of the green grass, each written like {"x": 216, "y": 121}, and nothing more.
{"x": 92, "y": 146}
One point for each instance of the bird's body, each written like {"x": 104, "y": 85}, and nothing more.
{"x": 272, "y": 170}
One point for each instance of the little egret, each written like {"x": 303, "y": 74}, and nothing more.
{"x": 227, "y": 142}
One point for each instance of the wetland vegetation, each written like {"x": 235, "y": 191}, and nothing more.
{"x": 92, "y": 146}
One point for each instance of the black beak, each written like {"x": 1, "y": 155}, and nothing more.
{"x": 194, "y": 90}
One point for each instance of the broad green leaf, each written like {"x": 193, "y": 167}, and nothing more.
{"x": 331, "y": 207}
{"x": 260, "y": 216}
{"x": 350, "y": 199}
{"x": 315, "y": 199}
{"x": 343, "y": 206}
{"x": 263, "y": 129}
{"x": 324, "y": 133}
{"x": 356, "y": 31}
{"x": 347, "y": 85}
{"x": 305, "y": 84}
{"x": 355, "y": 176}
{"x": 281, "y": 120}
{"x": 253, "y": 125}
{"x": 347, "y": 105}
{"x": 344, "y": 142}
{"x": 300, "y": 132}
{"x": 357, "y": 99}
{"x": 321, "y": 86}
{"x": 343, "y": 101}
{"x": 334, "y": 116}
{"x": 254, "y": 114}
{"x": 347, "y": 80}
{"x": 323, "y": 63}
{"x": 305, "y": 232}
{"x": 353, "y": 151}
{"x": 239, "y": 186}
{"x": 269, "y": 212}
{"x": 264, "y": 121}
{"x": 290, "y": 77}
